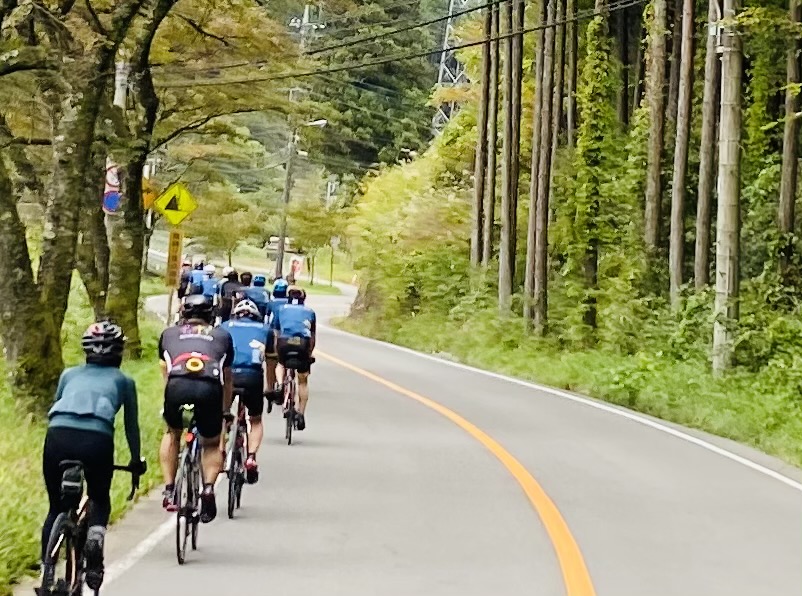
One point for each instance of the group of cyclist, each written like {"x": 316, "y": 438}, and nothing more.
{"x": 231, "y": 333}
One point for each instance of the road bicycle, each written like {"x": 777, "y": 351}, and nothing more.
{"x": 63, "y": 568}
{"x": 188, "y": 487}
{"x": 236, "y": 454}
{"x": 289, "y": 403}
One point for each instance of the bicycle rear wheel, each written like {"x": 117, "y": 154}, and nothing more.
{"x": 196, "y": 491}
{"x": 233, "y": 479}
{"x": 62, "y": 564}
{"x": 182, "y": 491}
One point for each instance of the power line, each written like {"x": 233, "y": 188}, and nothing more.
{"x": 401, "y": 57}
{"x": 347, "y": 44}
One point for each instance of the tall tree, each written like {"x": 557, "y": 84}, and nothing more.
{"x": 655, "y": 96}
{"x": 492, "y": 141}
{"x": 541, "y": 90}
{"x": 728, "y": 220}
{"x": 677, "y": 236}
{"x": 480, "y": 167}
{"x": 572, "y": 44}
{"x": 790, "y": 158}
{"x": 674, "y": 59}
{"x": 704, "y": 198}
{"x": 622, "y": 30}
{"x": 544, "y": 173}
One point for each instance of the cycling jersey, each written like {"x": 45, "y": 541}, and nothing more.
{"x": 196, "y": 351}
{"x": 275, "y": 304}
{"x": 210, "y": 286}
{"x": 196, "y": 279}
{"x": 250, "y": 340}
{"x": 259, "y": 296}
{"x": 88, "y": 397}
{"x": 294, "y": 320}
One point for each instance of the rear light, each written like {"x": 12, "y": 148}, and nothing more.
{"x": 190, "y": 436}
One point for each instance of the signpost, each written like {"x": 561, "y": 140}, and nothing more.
{"x": 171, "y": 277}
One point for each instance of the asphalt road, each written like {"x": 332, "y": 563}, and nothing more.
{"x": 385, "y": 495}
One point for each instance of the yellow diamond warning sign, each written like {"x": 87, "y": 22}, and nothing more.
{"x": 175, "y": 203}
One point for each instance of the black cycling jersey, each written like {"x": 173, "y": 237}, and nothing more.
{"x": 197, "y": 350}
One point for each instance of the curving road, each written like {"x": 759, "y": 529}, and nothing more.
{"x": 392, "y": 491}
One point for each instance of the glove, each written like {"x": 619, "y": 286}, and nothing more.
{"x": 138, "y": 467}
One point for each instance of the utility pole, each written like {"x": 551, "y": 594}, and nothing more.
{"x": 728, "y": 224}
{"x": 480, "y": 167}
{"x": 304, "y": 26}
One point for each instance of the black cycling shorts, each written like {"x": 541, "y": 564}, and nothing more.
{"x": 249, "y": 385}
{"x": 207, "y": 397}
{"x": 293, "y": 352}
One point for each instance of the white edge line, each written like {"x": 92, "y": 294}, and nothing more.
{"x": 628, "y": 414}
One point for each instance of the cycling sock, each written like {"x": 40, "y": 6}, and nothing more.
{"x": 251, "y": 455}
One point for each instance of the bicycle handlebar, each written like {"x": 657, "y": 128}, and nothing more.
{"x": 134, "y": 479}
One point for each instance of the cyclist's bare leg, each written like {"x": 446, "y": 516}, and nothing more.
{"x": 211, "y": 459}
{"x": 255, "y": 434}
{"x": 271, "y": 373}
{"x": 168, "y": 454}
{"x": 303, "y": 391}
{"x": 279, "y": 371}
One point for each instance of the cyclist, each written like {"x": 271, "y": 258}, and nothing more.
{"x": 279, "y": 299}
{"x": 196, "y": 279}
{"x": 209, "y": 283}
{"x": 250, "y": 334}
{"x": 259, "y": 295}
{"x": 228, "y": 289}
{"x": 295, "y": 328}
{"x": 81, "y": 428}
{"x": 196, "y": 365}
{"x": 186, "y": 279}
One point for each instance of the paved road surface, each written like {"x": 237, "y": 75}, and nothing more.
{"x": 384, "y": 496}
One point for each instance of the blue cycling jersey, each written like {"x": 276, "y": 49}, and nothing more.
{"x": 294, "y": 320}
{"x": 274, "y": 305}
{"x": 250, "y": 341}
{"x": 210, "y": 287}
{"x": 260, "y": 297}
{"x": 197, "y": 277}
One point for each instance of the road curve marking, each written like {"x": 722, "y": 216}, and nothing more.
{"x": 572, "y": 564}
{"x": 591, "y": 403}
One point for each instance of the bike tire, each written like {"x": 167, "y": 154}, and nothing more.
{"x": 196, "y": 491}
{"x": 60, "y": 540}
{"x": 233, "y": 478}
{"x": 290, "y": 423}
{"x": 182, "y": 496}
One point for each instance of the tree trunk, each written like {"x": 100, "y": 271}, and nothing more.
{"x": 622, "y": 21}
{"x": 541, "y": 92}
{"x": 492, "y": 142}
{"x": 655, "y": 83}
{"x": 312, "y": 269}
{"x": 788, "y": 181}
{"x": 728, "y": 224}
{"x": 30, "y": 338}
{"x": 701, "y": 263}
{"x": 92, "y": 256}
{"x": 506, "y": 268}
{"x": 480, "y": 167}
{"x": 674, "y": 60}
{"x": 640, "y": 70}
{"x": 677, "y": 241}
{"x": 544, "y": 173}
{"x": 572, "y": 49}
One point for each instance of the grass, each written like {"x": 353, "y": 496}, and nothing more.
{"x": 761, "y": 409}
{"x": 23, "y": 501}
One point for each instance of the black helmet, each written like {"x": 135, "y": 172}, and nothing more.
{"x": 103, "y": 339}
{"x": 197, "y": 306}
{"x": 296, "y": 295}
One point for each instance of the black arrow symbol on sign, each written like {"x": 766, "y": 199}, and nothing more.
{"x": 173, "y": 204}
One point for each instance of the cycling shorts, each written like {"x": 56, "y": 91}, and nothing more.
{"x": 249, "y": 385}
{"x": 207, "y": 397}
{"x": 293, "y": 352}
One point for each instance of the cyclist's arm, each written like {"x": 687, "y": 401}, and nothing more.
{"x": 62, "y": 381}
{"x": 228, "y": 379}
{"x": 313, "y": 329}
{"x": 131, "y": 419}
{"x": 162, "y": 361}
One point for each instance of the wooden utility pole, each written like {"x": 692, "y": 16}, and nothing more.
{"x": 544, "y": 173}
{"x": 728, "y": 224}
{"x": 677, "y": 237}
{"x": 480, "y": 167}
{"x": 788, "y": 181}
{"x": 537, "y": 112}
{"x": 655, "y": 82}
{"x": 506, "y": 264}
{"x": 571, "y": 49}
{"x": 492, "y": 141}
{"x": 704, "y": 196}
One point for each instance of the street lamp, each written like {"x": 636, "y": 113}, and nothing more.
{"x": 292, "y": 149}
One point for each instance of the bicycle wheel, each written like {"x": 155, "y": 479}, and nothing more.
{"x": 233, "y": 480}
{"x": 290, "y": 421}
{"x": 182, "y": 491}
{"x": 62, "y": 564}
{"x": 196, "y": 483}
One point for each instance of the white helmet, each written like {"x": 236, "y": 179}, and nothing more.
{"x": 210, "y": 269}
{"x": 246, "y": 308}
{"x": 227, "y": 270}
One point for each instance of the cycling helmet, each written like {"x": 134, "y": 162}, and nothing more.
{"x": 280, "y": 288}
{"x": 259, "y": 281}
{"x": 197, "y": 306}
{"x": 246, "y": 308}
{"x": 210, "y": 269}
{"x": 227, "y": 270}
{"x": 296, "y": 295}
{"x": 103, "y": 338}
{"x": 245, "y": 278}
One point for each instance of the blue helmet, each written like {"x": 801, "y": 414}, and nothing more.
{"x": 259, "y": 281}
{"x": 280, "y": 288}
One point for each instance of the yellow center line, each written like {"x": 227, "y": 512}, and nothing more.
{"x": 575, "y": 573}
